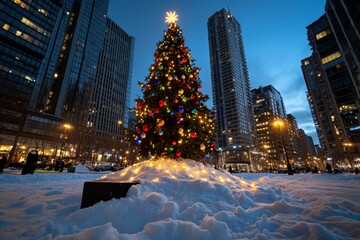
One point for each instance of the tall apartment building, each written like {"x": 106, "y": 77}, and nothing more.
{"x": 332, "y": 77}
{"x": 268, "y": 107}
{"x": 297, "y": 142}
{"x": 230, "y": 88}
{"x": 49, "y": 60}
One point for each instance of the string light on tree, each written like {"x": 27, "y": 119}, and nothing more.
{"x": 173, "y": 119}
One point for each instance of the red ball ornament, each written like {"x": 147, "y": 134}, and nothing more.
{"x": 200, "y": 86}
{"x": 184, "y": 50}
{"x": 161, "y": 103}
{"x": 212, "y": 144}
{"x": 178, "y": 153}
{"x": 139, "y": 105}
{"x": 149, "y": 113}
{"x": 138, "y": 130}
{"x": 173, "y": 143}
{"x": 183, "y": 60}
{"x": 176, "y": 101}
{"x": 193, "y": 135}
{"x": 157, "y": 110}
{"x": 145, "y": 128}
{"x": 156, "y": 55}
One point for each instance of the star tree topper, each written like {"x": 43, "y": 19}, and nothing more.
{"x": 171, "y": 17}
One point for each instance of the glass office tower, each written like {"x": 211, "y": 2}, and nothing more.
{"x": 49, "y": 54}
{"x": 30, "y": 34}
{"x": 110, "y": 100}
{"x": 332, "y": 77}
{"x": 230, "y": 87}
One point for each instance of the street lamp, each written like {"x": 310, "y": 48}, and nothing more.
{"x": 64, "y": 136}
{"x": 347, "y": 148}
{"x": 279, "y": 123}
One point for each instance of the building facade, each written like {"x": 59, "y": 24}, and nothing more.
{"x": 230, "y": 88}
{"x": 332, "y": 77}
{"x": 51, "y": 73}
{"x": 31, "y": 37}
{"x": 110, "y": 100}
{"x": 268, "y": 107}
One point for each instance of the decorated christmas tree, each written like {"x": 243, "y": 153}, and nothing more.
{"x": 173, "y": 119}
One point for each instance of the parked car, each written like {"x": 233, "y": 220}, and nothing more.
{"x": 105, "y": 168}
{"x": 78, "y": 169}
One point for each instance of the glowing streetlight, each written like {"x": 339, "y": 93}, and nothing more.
{"x": 279, "y": 123}
{"x": 67, "y": 127}
{"x": 347, "y": 147}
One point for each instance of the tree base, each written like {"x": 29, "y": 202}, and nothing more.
{"x": 96, "y": 191}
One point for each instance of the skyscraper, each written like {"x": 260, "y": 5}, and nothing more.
{"x": 29, "y": 32}
{"x": 108, "y": 112}
{"x": 54, "y": 86}
{"x": 31, "y": 37}
{"x": 332, "y": 77}
{"x": 268, "y": 106}
{"x": 230, "y": 87}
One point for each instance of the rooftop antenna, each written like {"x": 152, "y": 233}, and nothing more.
{"x": 228, "y": 8}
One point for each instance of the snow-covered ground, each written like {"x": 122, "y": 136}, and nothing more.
{"x": 182, "y": 200}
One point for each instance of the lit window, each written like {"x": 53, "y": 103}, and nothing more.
{"x": 322, "y": 34}
{"x": 33, "y": 25}
{"x": 331, "y": 57}
{"x": 18, "y": 33}
{"x": 25, "y": 37}
{"x": 29, "y": 78}
{"x": 6, "y": 26}
{"x": 22, "y": 4}
{"x": 43, "y": 11}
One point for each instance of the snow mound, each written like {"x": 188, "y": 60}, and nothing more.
{"x": 184, "y": 170}
{"x": 182, "y": 199}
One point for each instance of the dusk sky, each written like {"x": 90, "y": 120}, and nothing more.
{"x": 274, "y": 35}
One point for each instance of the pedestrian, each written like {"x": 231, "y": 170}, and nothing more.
{"x": 328, "y": 168}
{"x": 31, "y": 161}
{"x": 61, "y": 166}
{"x": 57, "y": 164}
{"x": 3, "y": 163}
